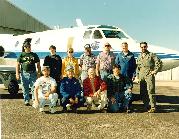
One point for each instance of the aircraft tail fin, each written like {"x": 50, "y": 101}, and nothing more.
{"x": 79, "y": 22}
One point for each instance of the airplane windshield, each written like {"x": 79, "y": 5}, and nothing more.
{"x": 114, "y": 34}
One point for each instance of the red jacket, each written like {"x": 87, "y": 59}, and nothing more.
{"x": 98, "y": 84}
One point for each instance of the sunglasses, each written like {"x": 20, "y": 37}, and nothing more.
{"x": 70, "y": 51}
{"x": 26, "y": 46}
{"x": 107, "y": 45}
{"x": 143, "y": 47}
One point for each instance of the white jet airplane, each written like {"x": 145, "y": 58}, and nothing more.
{"x": 77, "y": 37}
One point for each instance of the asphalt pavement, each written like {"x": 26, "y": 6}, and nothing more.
{"x": 25, "y": 122}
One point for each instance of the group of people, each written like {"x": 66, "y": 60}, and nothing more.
{"x": 102, "y": 81}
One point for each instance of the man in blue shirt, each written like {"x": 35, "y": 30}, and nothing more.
{"x": 70, "y": 90}
{"x": 126, "y": 61}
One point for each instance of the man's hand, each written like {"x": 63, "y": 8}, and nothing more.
{"x": 136, "y": 80}
{"x": 96, "y": 94}
{"x": 47, "y": 95}
{"x": 76, "y": 100}
{"x": 36, "y": 103}
{"x": 129, "y": 90}
{"x": 113, "y": 100}
{"x": 38, "y": 75}
{"x": 17, "y": 76}
{"x": 72, "y": 101}
{"x": 152, "y": 73}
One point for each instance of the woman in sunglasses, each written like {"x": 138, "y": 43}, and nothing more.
{"x": 70, "y": 60}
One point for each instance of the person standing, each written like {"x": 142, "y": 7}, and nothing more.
{"x": 26, "y": 67}
{"x": 87, "y": 60}
{"x": 105, "y": 61}
{"x": 72, "y": 61}
{"x": 126, "y": 61}
{"x": 54, "y": 62}
{"x": 148, "y": 65}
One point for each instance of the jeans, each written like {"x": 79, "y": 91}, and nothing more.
{"x": 122, "y": 101}
{"x": 52, "y": 99}
{"x": 28, "y": 79}
{"x": 66, "y": 101}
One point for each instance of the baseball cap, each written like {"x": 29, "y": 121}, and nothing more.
{"x": 87, "y": 46}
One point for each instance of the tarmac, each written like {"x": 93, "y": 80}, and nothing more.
{"x": 25, "y": 122}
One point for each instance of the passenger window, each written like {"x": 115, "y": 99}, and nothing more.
{"x": 87, "y": 34}
{"x": 97, "y": 35}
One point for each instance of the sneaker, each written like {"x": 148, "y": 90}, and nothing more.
{"x": 103, "y": 111}
{"x": 52, "y": 110}
{"x": 128, "y": 111}
{"x": 74, "y": 110}
{"x": 68, "y": 106}
{"x": 152, "y": 110}
{"x": 26, "y": 103}
{"x": 34, "y": 105}
{"x": 88, "y": 107}
{"x": 41, "y": 110}
{"x": 64, "y": 110}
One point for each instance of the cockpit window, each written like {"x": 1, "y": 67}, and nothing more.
{"x": 97, "y": 35}
{"x": 113, "y": 34}
{"x": 87, "y": 34}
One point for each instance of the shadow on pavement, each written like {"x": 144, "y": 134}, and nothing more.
{"x": 12, "y": 96}
{"x": 160, "y": 99}
{"x": 139, "y": 108}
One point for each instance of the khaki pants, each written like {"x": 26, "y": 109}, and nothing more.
{"x": 101, "y": 100}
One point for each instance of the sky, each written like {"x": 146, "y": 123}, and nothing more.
{"x": 153, "y": 21}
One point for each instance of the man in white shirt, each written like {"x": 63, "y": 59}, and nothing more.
{"x": 45, "y": 91}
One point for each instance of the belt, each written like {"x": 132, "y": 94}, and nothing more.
{"x": 29, "y": 71}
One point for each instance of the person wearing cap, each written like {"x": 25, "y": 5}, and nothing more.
{"x": 119, "y": 91}
{"x": 70, "y": 60}
{"x": 26, "y": 69}
{"x": 54, "y": 61}
{"x": 95, "y": 91}
{"x": 87, "y": 60}
{"x": 105, "y": 61}
{"x": 126, "y": 60}
{"x": 45, "y": 91}
{"x": 70, "y": 90}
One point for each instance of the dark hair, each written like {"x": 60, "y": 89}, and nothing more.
{"x": 116, "y": 66}
{"x": 143, "y": 43}
{"x": 53, "y": 47}
{"x": 27, "y": 41}
{"x": 125, "y": 43}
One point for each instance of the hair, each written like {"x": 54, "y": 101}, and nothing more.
{"x": 143, "y": 43}
{"x": 27, "y": 41}
{"x": 125, "y": 43}
{"x": 116, "y": 66}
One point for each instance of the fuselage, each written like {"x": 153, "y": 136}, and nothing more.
{"x": 77, "y": 37}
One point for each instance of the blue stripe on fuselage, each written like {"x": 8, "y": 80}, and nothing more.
{"x": 42, "y": 55}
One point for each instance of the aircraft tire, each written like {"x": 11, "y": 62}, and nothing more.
{"x": 13, "y": 87}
